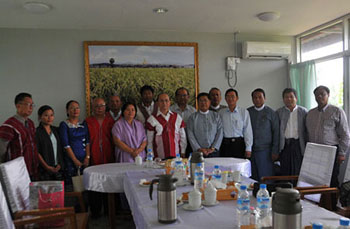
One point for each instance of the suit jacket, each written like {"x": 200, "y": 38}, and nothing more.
{"x": 45, "y": 148}
{"x": 283, "y": 115}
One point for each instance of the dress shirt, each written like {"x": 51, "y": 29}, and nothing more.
{"x": 117, "y": 116}
{"x": 259, "y": 108}
{"x": 237, "y": 124}
{"x": 204, "y": 130}
{"x": 54, "y": 146}
{"x": 328, "y": 126}
{"x": 185, "y": 114}
{"x": 292, "y": 124}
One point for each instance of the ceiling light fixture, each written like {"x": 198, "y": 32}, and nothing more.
{"x": 37, "y": 7}
{"x": 268, "y": 16}
{"x": 160, "y": 10}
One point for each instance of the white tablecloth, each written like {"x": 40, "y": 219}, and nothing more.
{"x": 108, "y": 178}
{"x": 227, "y": 163}
{"x": 221, "y": 216}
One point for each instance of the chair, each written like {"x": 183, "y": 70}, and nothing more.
{"x": 38, "y": 217}
{"x": 315, "y": 174}
{"x": 15, "y": 182}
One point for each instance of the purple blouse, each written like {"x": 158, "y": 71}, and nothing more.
{"x": 132, "y": 135}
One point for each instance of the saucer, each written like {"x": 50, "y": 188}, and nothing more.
{"x": 188, "y": 207}
{"x": 144, "y": 185}
{"x": 210, "y": 205}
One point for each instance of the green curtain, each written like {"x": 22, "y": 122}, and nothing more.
{"x": 303, "y": 80}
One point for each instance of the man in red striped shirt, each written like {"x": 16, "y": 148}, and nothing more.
{"x": 17, "y": 136}
{"x": 166, "y": 131}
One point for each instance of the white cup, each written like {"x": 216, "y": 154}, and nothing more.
{"x": 138, "y": 160}
{"x": 210, "y": 198}
{"x": 195, "y": 199}
{"x": 236, "y": 176}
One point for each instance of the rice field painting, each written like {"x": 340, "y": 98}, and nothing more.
{"x": 122, "y": 68}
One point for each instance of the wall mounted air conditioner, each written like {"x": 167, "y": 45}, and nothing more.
{"x": 265, "y": 50}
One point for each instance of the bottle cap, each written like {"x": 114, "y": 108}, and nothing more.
{"x": 243, "y": 187}
{"x": 317, "y": 225}
{"x": 199, "y": 164}
{"x": 344, "y": 222}
{"x": 216, "y": 166}
{"x": 177, "y": 155}
{"x": 263, "y": 186}
{"x": 149, "y": 150}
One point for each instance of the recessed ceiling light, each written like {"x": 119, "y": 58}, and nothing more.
{"x": 37, "y": 7}
{"x": 160, "y": 10}
{"x": 268, "y": 16}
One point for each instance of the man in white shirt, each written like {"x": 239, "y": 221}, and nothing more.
{"x": 115, "y": 104}
{"x": 181, "y": 107}
{"x": 147, "y": 105}
{"x": 166, "y": 131}
{"x": 237, "y": 128}
{"x": 215, "y": 99}
{"x": 292, "y": 118}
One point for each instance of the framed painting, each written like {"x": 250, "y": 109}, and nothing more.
{"x": 122, "y": 68}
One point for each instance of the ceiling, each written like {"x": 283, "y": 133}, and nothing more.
{"x": 217, "y": 16}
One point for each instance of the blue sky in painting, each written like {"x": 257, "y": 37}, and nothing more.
{"x": 137, "y": 54}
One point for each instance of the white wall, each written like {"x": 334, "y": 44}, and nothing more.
{"x": 49, "y": 64}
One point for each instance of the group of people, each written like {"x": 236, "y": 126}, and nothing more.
{"x": 126, "y": 129}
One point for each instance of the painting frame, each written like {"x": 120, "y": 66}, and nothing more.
{"x": 88, "y": 44}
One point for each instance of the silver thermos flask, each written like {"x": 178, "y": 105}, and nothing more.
{"x": 286, "y": 209}
{"x": 166, "y": 197}
{"x": 197, "y": 157}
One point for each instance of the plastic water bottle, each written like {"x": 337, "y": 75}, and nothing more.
{"x": 149, "y": 158}
{"x": 188, "y": 165}
{"x": 317, "y": 226}
{"x": 344, "y": 223}
{"x": 179, "y": 172}
{"x": 263, "y": 206}
{"x": 178, "y": 157}
{"x": 243, "y": 206}
{"x": 217, "y": 173}
{"x": 199, "y": 177}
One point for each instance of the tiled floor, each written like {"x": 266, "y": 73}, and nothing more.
{"x": 120, "y": 222}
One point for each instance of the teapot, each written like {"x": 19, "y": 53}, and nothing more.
{"x": 166, "y": 198}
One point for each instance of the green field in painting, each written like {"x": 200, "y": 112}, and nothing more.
{"x": 126, "y": 82}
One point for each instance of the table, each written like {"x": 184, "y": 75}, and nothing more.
{"x": 108, "y": 178}
{"x": 227, "y": 163}
{"x": 223, "y": 215}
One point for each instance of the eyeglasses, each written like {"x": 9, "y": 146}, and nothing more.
{"x": 32, "y": 105}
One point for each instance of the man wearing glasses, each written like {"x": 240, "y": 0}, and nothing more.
{"x": 100, "y": 130}
{"x": 17, "y": 136}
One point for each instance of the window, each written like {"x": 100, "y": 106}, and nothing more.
{"x": 322, "y": 43}
{"x": 330, "y": 74}
{"x": 327, "y": 46}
